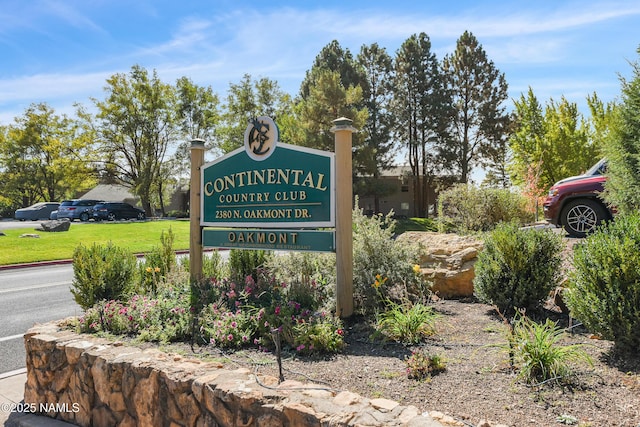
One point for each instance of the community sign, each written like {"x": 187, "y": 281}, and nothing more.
{"x": 267, "y": 185}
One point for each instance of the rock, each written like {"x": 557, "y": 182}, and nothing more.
{"x": 447, "y": 261}
{"x": 2, "y": 234}
{"x": 55, "y": 225}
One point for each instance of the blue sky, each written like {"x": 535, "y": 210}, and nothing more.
{"x": 62, "y": 51}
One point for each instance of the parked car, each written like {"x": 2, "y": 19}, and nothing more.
{"x": 116, "y": 210}
{"x": 575, "y": 203}
{"x": 36, "y": 211}
{"x": 81, "y": 209}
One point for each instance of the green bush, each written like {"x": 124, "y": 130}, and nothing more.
{"x": 604, "y": 289}
{"x": 466, "y": 208}
{"x": 377, "y": 253}
{"x": 517, "y": 267}
{"x": 101, "y": 272}
{"x": 243, "y": 263}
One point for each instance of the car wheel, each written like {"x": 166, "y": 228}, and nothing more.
{"x": 84, "y": 216}
{"x": 581, "y": 217}
{"x": 111, "y": 216}
{"x": 141, "y": 216}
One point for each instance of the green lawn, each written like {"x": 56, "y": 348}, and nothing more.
{"x": 135, "y": 236}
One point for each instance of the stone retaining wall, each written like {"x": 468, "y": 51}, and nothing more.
{"x": 90, "y": 381}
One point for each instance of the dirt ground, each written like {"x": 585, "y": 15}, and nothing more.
{"x": 478, "y": 383}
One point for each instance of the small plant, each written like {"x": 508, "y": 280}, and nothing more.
{"x": 569, "y": 420}
{"x": 407, "y": 323}
{"x": 421, "y": 366}
{"x": 536, "y": 352}
{"x": 517, "y": 267}
{"x": 101, "y": 272}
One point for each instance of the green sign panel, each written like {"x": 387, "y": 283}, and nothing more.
{"x": 274, "y": 239}
{"x": 292, "y": 187}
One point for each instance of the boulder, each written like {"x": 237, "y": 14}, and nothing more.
{"x": 447, "y": 261}
{"x": 55, "y": 225}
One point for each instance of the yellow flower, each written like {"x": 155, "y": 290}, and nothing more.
{"x": 148, "y": 269}
{"x": 416, "y": 269}
{"x": 157, "y": 269}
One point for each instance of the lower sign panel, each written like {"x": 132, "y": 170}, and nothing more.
{"x": 270, "y": 239}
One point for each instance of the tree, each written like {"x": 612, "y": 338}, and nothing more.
{"x": 378, "y": 149}
{"x": 136, "y": 124}
{"x": 43, "y": 157}
{"x": 479, "y": 91}
{"x": 246, "y": 100}
{"x": 622, "y": 147}
{"x": 556, "y": 143}
{"x": 328, "y": 100}
{"x": 333, "y": 57}
{"x": 421, "y": 106}
{"x": 199, "y": 115}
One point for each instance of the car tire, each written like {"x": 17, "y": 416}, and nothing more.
{"x": 581, "y": 216}
{"x": 141, "y": 216}
{"x": 111, "y": 216}
{"x": 84, "y": 217}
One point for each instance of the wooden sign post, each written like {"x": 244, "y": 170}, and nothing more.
{"x": 195, "y": 238}
{"x": 344, "y": 233}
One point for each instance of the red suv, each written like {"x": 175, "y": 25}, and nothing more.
{"x": 575, "y": 204}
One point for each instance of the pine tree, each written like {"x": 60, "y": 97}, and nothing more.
{"x": 479, "y": 91}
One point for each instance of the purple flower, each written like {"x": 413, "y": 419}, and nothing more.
{"x": 230, "y": 337}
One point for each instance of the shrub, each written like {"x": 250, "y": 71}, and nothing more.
{"x": 421, "y": 366}
{"x": 321, "y": 334}
{"x": 376, "y": 250}
{"x": 466, "y": 208}
{"x": 243, "y": 263}
{"x": 407, "y": 323}
{"x": 157, "y": 264}
{"x": 604, "y": 289}
{"x": 535, "y": 350}
{"x": 307, "y": 275}
{"x": 164, "y": 318}
{"x": 101, "y": 272}
{"x": 517, "y": 267}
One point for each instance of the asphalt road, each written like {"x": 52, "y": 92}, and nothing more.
{"x": 29, "y": 296}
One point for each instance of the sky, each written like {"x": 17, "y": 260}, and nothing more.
{"x": 61, "y": 52}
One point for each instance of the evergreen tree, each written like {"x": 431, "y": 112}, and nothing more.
{"x": 622, "y": 147}
{"x": 334, "y": 87}
{"x": 421, "y": 106}
{"x": 479, "y": 90}
{"x": 378, "y": 149}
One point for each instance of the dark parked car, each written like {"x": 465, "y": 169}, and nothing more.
{"x": 81, "y": 209}
{"x": 575, "y": 203}
{"x": 37, "y": 211}
{"x": 116, "y": 210}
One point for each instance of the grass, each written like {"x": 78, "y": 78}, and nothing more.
{"x": 135, "y": 236}
{"x": 415, "y": 224}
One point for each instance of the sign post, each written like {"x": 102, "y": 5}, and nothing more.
{"x": 195, "y": 237}
{"x": 344, "y": 233}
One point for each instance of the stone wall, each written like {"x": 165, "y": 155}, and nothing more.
{"x": 448, "y": 261}
{"x": 90, "y": 381}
